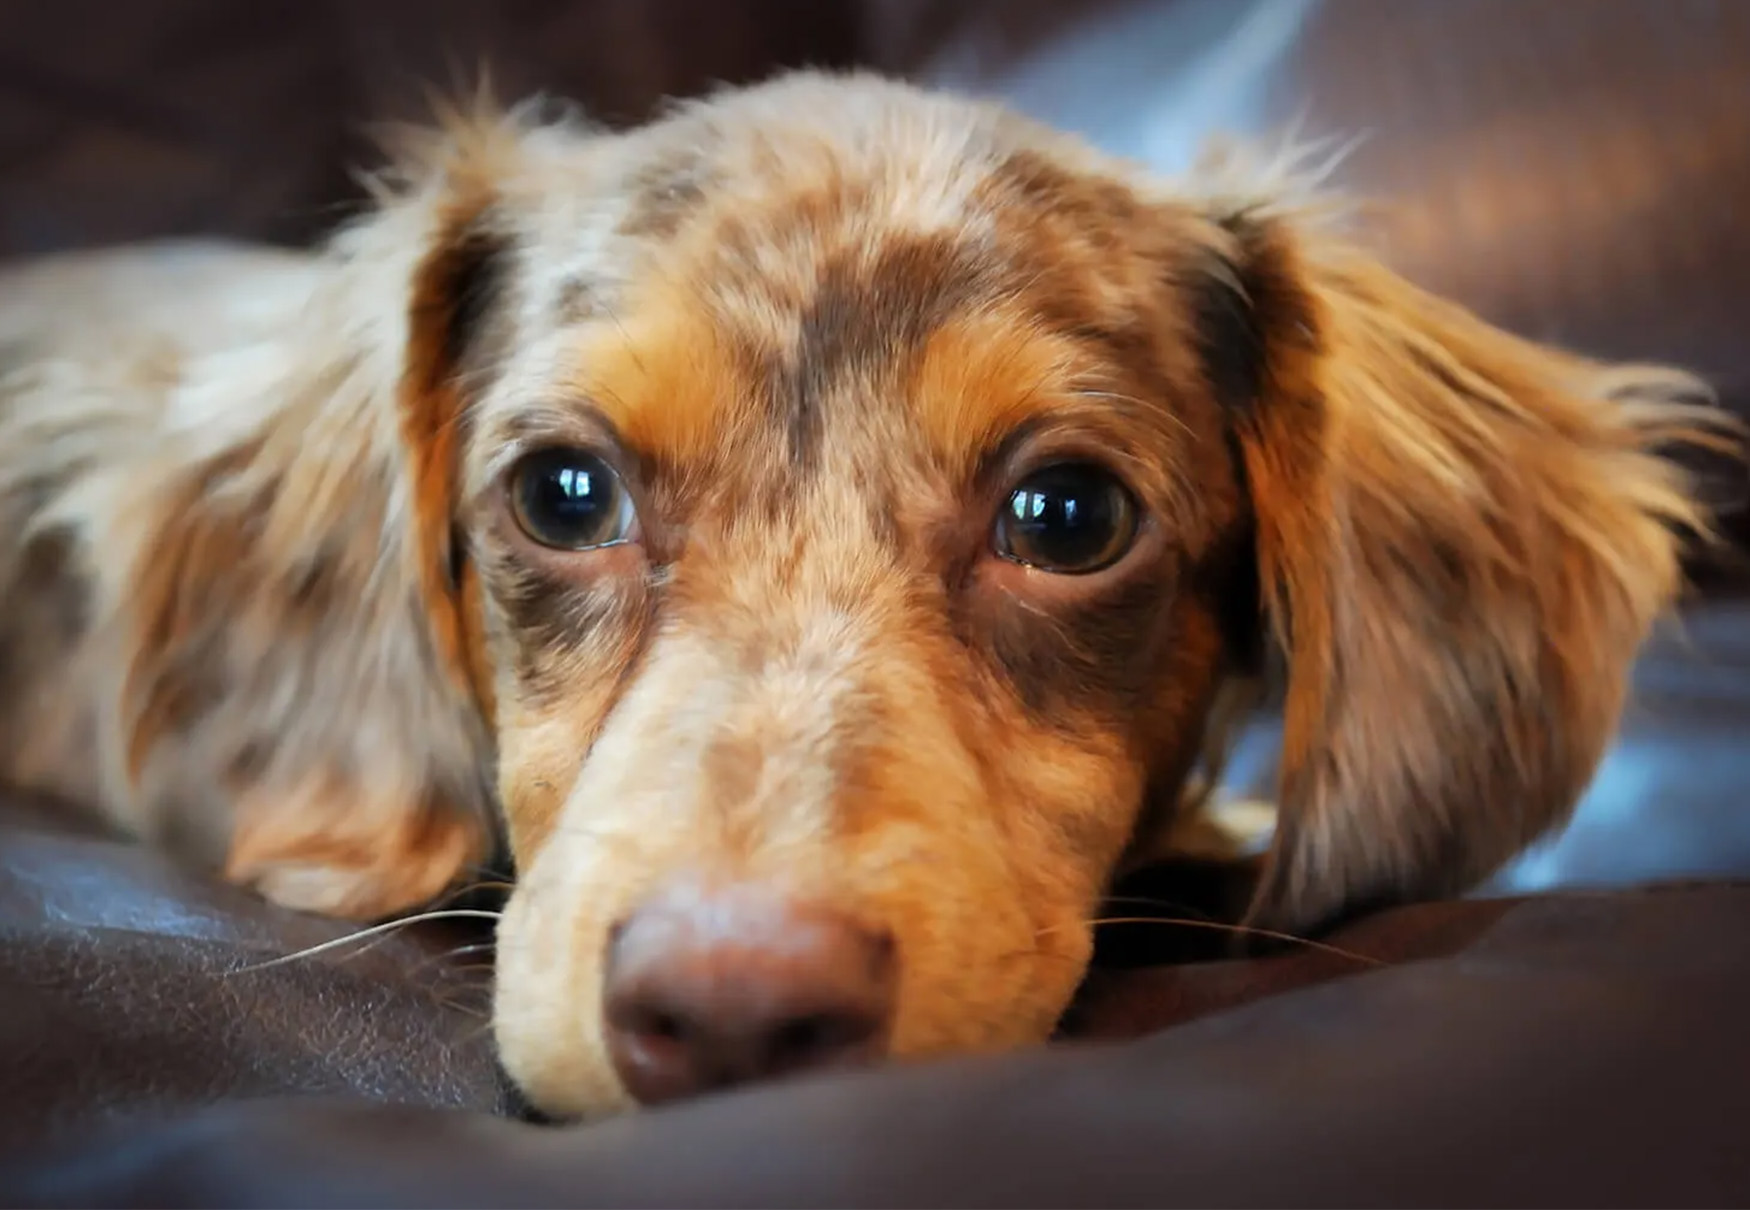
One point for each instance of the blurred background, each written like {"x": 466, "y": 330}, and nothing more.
{"x": 1578, "y": 170}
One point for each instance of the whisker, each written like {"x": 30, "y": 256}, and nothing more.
{"x": 451, "y": 955}
{"x": 437, "y": 905}
{"x": 473, "y": 967}
{"x": 1059, "y": 624}
{"x": 626, "y": 338}
{"x": 484, "y": 884}
{"x": 366, "y": 934}
{"x": 1171, "y": 905}
{"x": 1241, "y": 930}
{"x": 467, "y": 1010}
{"x": 474, "y": 1035}
{"x": 477, "y": 947}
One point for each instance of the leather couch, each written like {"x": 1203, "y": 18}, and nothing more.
{"x": 1572, "y": 1034}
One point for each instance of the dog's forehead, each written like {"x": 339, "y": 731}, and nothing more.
{"x": 856, "y": 284}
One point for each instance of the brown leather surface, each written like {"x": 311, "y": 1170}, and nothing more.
{"x": 1583, "y": 1050}
{"x": 126, "y": 992}
{"x": 1579, "y": 171}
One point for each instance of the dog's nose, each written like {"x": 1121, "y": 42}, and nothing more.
{"x": 707, "y": 988}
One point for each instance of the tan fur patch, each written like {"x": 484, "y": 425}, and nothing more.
{"x": 663, "y": 376}
{"x": 311, "y": 847}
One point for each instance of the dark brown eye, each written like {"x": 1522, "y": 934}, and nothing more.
{"x": 1070, "y": 519}
{"x": 570, "y": 499}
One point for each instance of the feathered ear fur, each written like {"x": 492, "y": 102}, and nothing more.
{"x": 376, "y": 792}
{"x": 1463, "y": 537}
{"x": 281, "y": 655}
{"x": 443, "y": 203}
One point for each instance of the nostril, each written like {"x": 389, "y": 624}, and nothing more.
{"x": 660, "y": 1026}
{"x": 803, "y": 1036}
{"x": 883, "y": 953}
{"x": 800, "y": 1042}
{"x": 818, "y": 1039}
{"x": 648, "y": 1021}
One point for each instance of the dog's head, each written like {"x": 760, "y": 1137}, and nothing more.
{"x": 848, "y": 505}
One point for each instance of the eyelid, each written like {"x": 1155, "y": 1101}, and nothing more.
{"x": 570, "y": 424}
{"x": 1034, "y": 448}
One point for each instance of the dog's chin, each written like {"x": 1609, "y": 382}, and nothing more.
{"x": 577, "y": 1084}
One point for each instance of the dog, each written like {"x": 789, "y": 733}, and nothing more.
{"x": 821, "y": 527}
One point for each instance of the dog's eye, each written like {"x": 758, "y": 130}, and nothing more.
{"x": 570, "y": 500}
{"x": 1070, "y": 519}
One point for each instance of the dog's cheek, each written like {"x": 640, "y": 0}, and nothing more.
{"x": 1080, "y": 798}
{"x": 1075, "y": 794}
{"x": 992, "y": 894}
{"x": 538, "y": 762}
{"x": 990, "y": 974}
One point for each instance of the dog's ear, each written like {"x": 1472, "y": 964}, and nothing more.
{"x": 279, "y": 674}
{"x": 457, "y": 303}
{"x": 460, "y": 189}
{"x": 1462, "y": 539}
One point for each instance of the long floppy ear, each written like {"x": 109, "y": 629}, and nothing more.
{"x": 443, "y": 246}
{"x": 303, "y": 628}
{"x": 1463, "y": 538}
{"x": 456, "y": 303}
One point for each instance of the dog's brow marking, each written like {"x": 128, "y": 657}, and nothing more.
{"x": 678, "y": 407}
{"x": 867, "y": 315}
{"x": 978, "y": 379}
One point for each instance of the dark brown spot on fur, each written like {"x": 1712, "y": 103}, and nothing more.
{"x": 665, "y": 194}
{"x": 578, "y": 299}
{"x": 1101, "y": 654}
{"x": 555, "y": 621}
{"x": 865, "y": 325}
{"x": 1228, "y": 339}
{"x": 48, "y": 608}
{"x": 314, "y": 587}
{"x": 1097, "y": 206}
{"x": 463, "y": 285}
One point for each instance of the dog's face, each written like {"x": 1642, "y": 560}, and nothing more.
{"x": 857, "y": 501}
{"x": 867, "y": 540}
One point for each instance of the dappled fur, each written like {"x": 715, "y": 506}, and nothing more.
{"x": 265, "y": 602}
